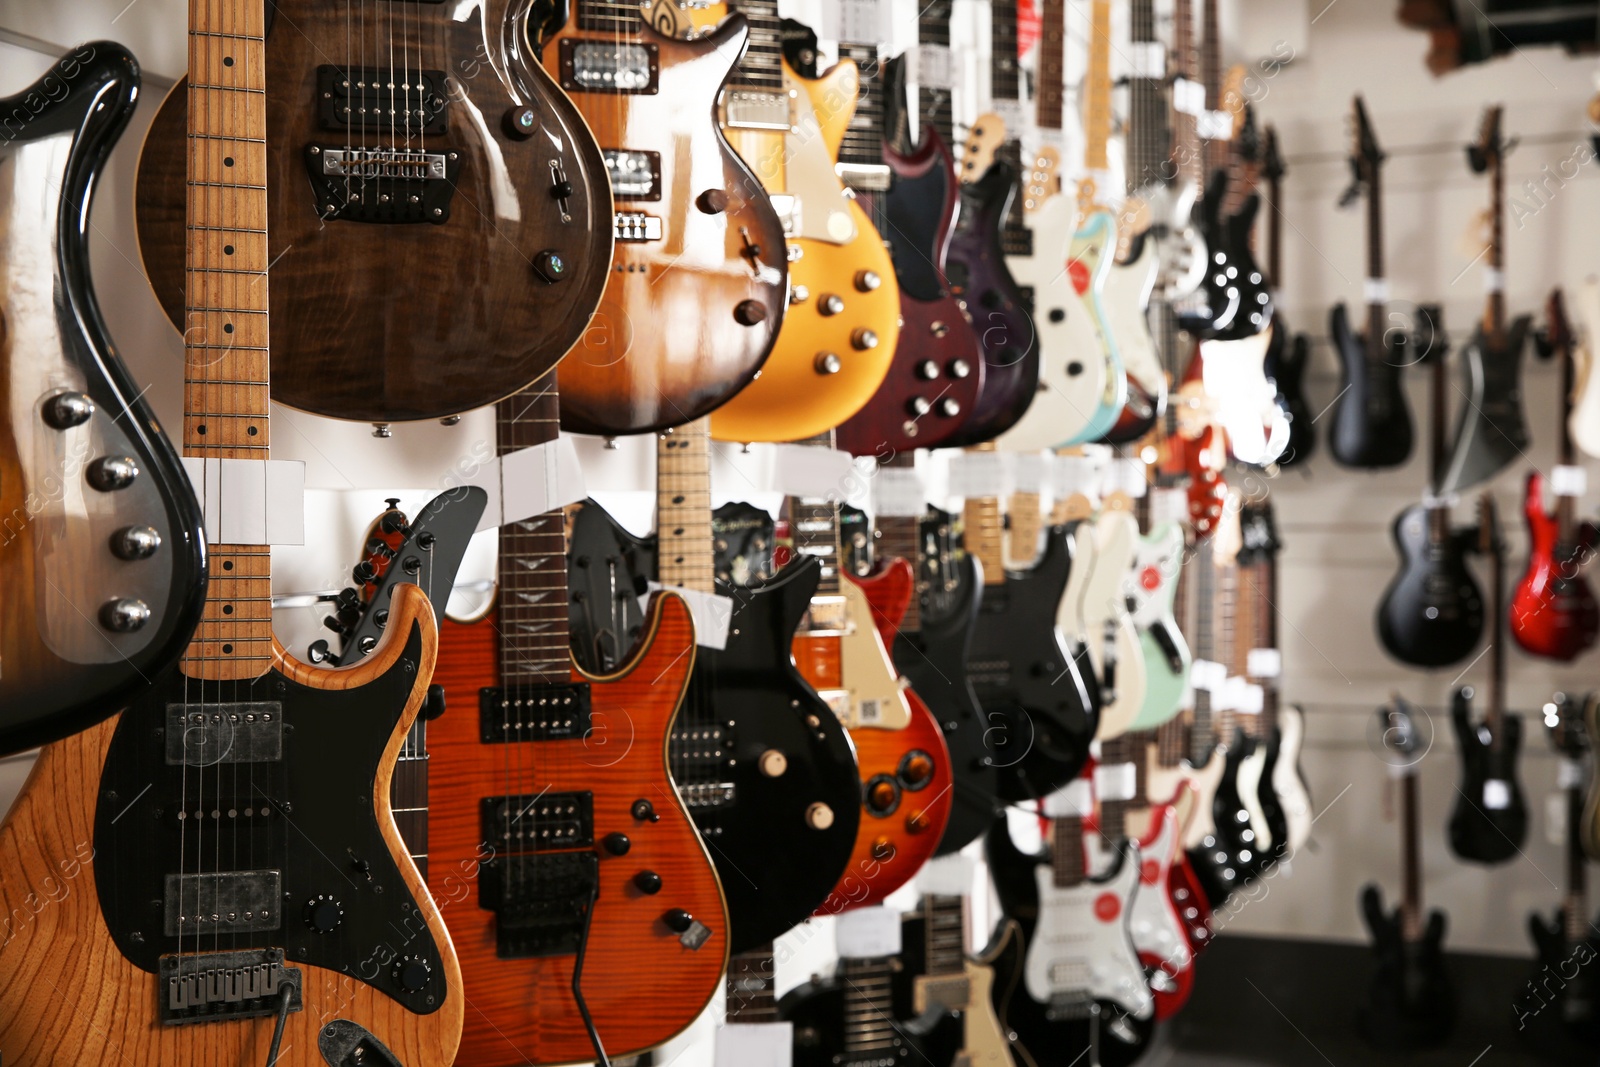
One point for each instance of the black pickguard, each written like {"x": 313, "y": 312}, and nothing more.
{"x": 1238, "y": 302}
{"x": 307, "y": 815}
{"x": 1410, "y": 1003}
{"x": 1042, "y": 703}
{"x": 1477, "y": 832}
{"x": 87, "y": 98}
{"x": 1371, "y": 422}
{"x": 751, "y": 691}
{"x": 817, "y": 1010}
{"x": 1491, "y": 432}
{"x": 1432, "y": 613}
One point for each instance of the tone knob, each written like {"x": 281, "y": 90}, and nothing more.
{"x": 959, "y": 368}
{"x": 550, "y": 266}
{"x": 883, "y": 850}
{"x": 867, "y": 280}
{"x": 949, "y": 406}
{"x": 324, "y": 914}
{"x": 827, "y": 363}
{"x": 830, "y": 303}
{"x": 135, "y": 542}
{"x": 799, "y": 295}
{"x": 617, "y": 844}
{"x": 712, "y": 201}
{"x": 66, "y": 410}
{"x": 110, "y": 473}
{"x": 819, "y": 816}
{"x": 749, "y": 312}
{"x": 648, "y": 882}
{"x": 927, "y": 370}
{"x": 918, "y": 405}
{"x": 882, "y": 795}
{"x": 521, "y": 123}
{"x": 678, "y": 921}
{"x": 863, "y": 339}
{"x": 124, "y": 615}
{"x": 773, "y": 763}
{"x": 412, "y": 974}
{"x": 916, "y": 769}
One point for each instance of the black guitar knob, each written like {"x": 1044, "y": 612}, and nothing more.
{"x": 648, "y": 882}
{"x": 678, "y": 920}
{"x": 521, "y": 123}
{"x": 412, "y": 974}
{"x": 617, "y": 844}
{"x": 644, "y": 810}
{"x": 749, "y": 312}
{"x": 324, "y": 914}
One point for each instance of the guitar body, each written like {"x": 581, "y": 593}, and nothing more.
{"x": 1106, "y": 620}
{"x": 1371, "y": 425}
{"x": 1234, "y": 375}
{"x": 1154, "y": 924}
{"x": 969, "y": 996}
{"x": 1189, "y": 900}
{"x": 1432, "y": 613}
{"x": 643, "y": 365}
{"x": 94, "y": 837}
{"x": 1559, "y": 1015}
{"x": 1491, "y": 432}
{"x": 1042, "y": 703}
{"x": 818, "y": 1011}
{"x": 752, "y": 693}
{"x": 1290, "y": 815}
{"x": 1553, "y": 610}
{"x": 1091, "y": 258}
{"x": 1255, "y": 789}
{"x": 1179, "y": 249}
{"x": 1286, "y": 366}
{"x": 834, "y": 252}
{"x": 937, "y": 373}
{"x": 524, "y": 1010}
{"x": 1584, "y": 423}
{"x": 387, "y": 313}
{"x": 1229, "y": 855}
{"x": 1490, "y": 820}
{"x": 1410, "y": 1003}
{"x": 65, "y": 669}
{"x": 1589, "y": 824}
{"x": 1238, "y": 303}
{"x": 976, "y": 266}
{"x": 1153, "y": 588}
{"x": 1127, "y": 305}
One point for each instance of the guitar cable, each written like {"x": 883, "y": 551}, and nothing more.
{"x": 284, "y": 996}
{"x": 600, "y": 1057}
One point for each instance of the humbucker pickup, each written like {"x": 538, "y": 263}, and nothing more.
{"x": 754, "y": 109}
{"x": 610, "y": 67}
{"x": 533, "y": 713}
{"x": 636, "y": 227}
{"x": 375, "y": 100}
{"x": 538, "y": 822}
{"x": 390, "y": 185}
{"x": 204, "y": 735}
{"x": 634, "y": 175}
{"x": 226, "y": 902}
{"x": 225, "y": 985}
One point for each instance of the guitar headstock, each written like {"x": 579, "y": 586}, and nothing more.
{"x": 983, "y": 142}
{"x": 1044, "y": 178}
{"x": 1564, "y": 716}
{"x": 1258, "y": 532}
{"x": 1365, "y": 155}
{"x": 1557, "y": 336}
{"x": 1488, "y": 150}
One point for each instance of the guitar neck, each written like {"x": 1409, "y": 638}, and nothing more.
{"x": 1411, "y": 860}
{"x": 1115, "y": 751}
{"x": 1048, "y": 105}
{"x": 1377, "y": 310}
{"x": 1097, "y": 94}
{"x": 1204, "y": 737}
{"x": 408, "y": 795}
{"x": 1066, "y": 851}
{"x": 751, "y": 986}
{"x": 1150, "y": 140}
{"x": 899, "y": 537}
{"x": 1575, "y": 909}
{"x": 868, "y": 1007}
{"x": 814, "y": 528}
{"x": 618, "y": 19}
{"x": 944, "y": 931}
{"x": 1215, "y": 153}
{"x": 1438, "y": 413}
{"x": 1494, "y": 312}
{"x": 936, "y": 105}
{"x": 864, "y": 135}
{"x": 1004, "y": 79}
{"x": 1494, "y": 715}
{"x": 532, "y": 596}
{"x": 761, "y": 68}
{"x": 1190, "y": 163}
{"x": 226, "y": 383}
{"x": 683, "y": 507}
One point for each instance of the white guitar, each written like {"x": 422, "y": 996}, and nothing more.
{"x": 1108, "y": 626}
{"x": 1152, "y": 586}
{"x": 1585, "y": 420}
{"x": 1286, "y": 781}
{"x": 1127, "y": 302}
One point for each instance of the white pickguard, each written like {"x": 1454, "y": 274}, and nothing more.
{"x": 1235, "y": 379}
{"x": 1205, "y": 781}
{"x": 1250, "y": 784}
{"x": 1152, "y": 584}
{"x": 1286, "y": 777}
{"x": 1155, "y": 927}
{"x": 1127, "y": 303}
{"x": 1082, "y": 946}
{"x": 1116, "y": 537}
{"x": 1069, "y": 613}
{"x": 872, "y": 695}
{"x": 1585, "y": 420}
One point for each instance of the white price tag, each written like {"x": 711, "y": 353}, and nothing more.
{"x": 1494, "y": 281}
{"x": 1207, "y": 675}
{"x": 1116, "y": 781}
{"x": 807, "y": 470}
{"x": 529, "y": 482}
{"x": 1168, "y": 505}
{"x": 1555, "y": 819}
{"x": 868, "y": 933}
{"x": 855, "y": 20}
{"x": 1214, "y": 125}
{"x": 1146, "y": 59}
{"x": 947, "y": 876}
{"x": 1009, "y": 112}
{"x": 712, "y": 614}
{"x": 1188, "y": 97}
{"x": 755, "y": 1045}
{"x": 250, "y": 501}
{"x": 1377, "y": 290}
{"x": 977, "y": 474}
{"x": 1127, "y": 476}
{"x": 1070, "y": 475}
{"x": 1264, "y": 663}
{"x": 1234, "y": 695}
{"x": 1569, "y": 481}
{"x": 1030, "y": 471}
{"x": 1496, "y": 794}
{"x": 1569, "y": 773}
{"x": 932, "y": 67}
{"x": 1074, "y": 798}
{"x": 898, "y": 492}
{"x": 1251, "y": 699}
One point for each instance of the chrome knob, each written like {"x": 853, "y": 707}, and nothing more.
{"x": 66, "y": 410}
{"x": 135, "y": 542}
{"x": 799, "y": 295}
{"x": 927, "y": 370}
{"x": 918, "y": 405}
{"x": 124, "y": 615}
{"x": 109, "y": 473}
{"x": 960, "y": 368}
{"x": 949, "y": 406}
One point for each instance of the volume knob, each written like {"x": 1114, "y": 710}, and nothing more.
{"x": 412, "y": 974}
{"x": 647, "y": 882}
{"x": 110, "y": 473}
{"x": 324, "y": 914}
{"x": 66, "y": 410}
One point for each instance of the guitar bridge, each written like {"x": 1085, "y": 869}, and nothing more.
{"x": 218, "y": 986}
{"x": 387, "y": 185}
{"x": 541, "y": 903}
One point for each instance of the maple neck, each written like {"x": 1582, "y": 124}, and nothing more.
{"x": 1190, "y": 162}
{"x": 1097, "y": 89}
{"x": 937, "y": 105}
{"x": 1066, "y": 851}
{"x": 1150, "y": 141}
{"x": 985, "y": 531}
{"x": 618, "y": 19}
{"x": 751, "y": 986}
{"x": 687, "y": 557}
{"x": 944, "y": 932}
{"x": 1026, "y": 511}
{"x": 761, "y": 68}
{"x": 1052, "y": 64}
{"x": 863, "y": 136}
{"x": 1410, "y": 859}
{"x": 900, "y": 537}
{"x": 226, "y": 384}
{"x": 532, "y": 593}
{"x": 408, "y": 795}
{"x": 1494, "y": 311}
{"x": 1211, "y": 78}
{"x": 868, "y": 1007}
{"x": 1004, "y": 77}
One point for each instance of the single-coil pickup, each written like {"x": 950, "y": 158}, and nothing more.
{"x": 227, "y": 902}
{"x": 225, "y": 985}
{"x": 538, "y": 822}
{"x": 372, "y": 99}
{"x": 631, "y": 226}
{"x": 533, "y": 713}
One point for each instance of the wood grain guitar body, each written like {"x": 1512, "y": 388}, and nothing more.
{"x": 76, "y": 874}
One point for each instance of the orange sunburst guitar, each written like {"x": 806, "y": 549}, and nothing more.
{"x": 220, "y": 865}
{"x": 555, "y": 832}
{"x": 838, "y": 339}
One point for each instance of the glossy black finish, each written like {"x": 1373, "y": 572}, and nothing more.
{"x": 1491, "y": 432}
{"x": 1228, "y": 858}
{"x": 87, "y": 96}
{"x": 1271, "y": 804}
{"x": 1558, "y": 1014}
{"x": 314, "y": 822}
{"x": 1371, "y": 422}
{"x": 1238, "y": 300}
{"x": 751, "y": 691}
{"x": 1478, "y": 832}
{"x": 1286, "y": 366}
{"x": 1410, "y": 1003}
{"x": 1042, "y": 702}
{"x": 1432, "y": 613}
{"x": 817, "y": 1010}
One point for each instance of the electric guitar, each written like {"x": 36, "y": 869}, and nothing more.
{"x": 1288, "y": 353}
{"x": 1584, "y": 422}
{"x": 1491, "y": 432}
{"x": 650, "y": 99}
{"x": 240, "y": 889}
{"x": 1100, "y": 617}
{"x": 1152, "y": 588}
{"x": 1371, "y": 425}
{"x": 101, "y": 553}
{"x": 1410, "y": 1002}
{"x": 944, "y": 978}
{"x": 843, "y": 325}
{"x": 1166, "y": 765}
{"x": 551, "y": 793}
{"x": 1490, "y": 819}
{"x": 766, "y": 770}
{"x": 440, "y": 215}
{"x": 1553, "y": 610}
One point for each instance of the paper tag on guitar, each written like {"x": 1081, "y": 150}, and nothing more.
{"x": 250, "y": 501}
{"x": 1496, "y": 794}
{"x": 1568, "y": 481}
{"x": 1555, "y": 819}
{"x": 855, "y": 20}
{"x": 1264, "y": 663}
{"x": 898, "y": 492}
{"x": 868, "y": 933}
{"x": 1030, "y": 471}
{"x": 712, "y": 614}
{"x": 1188, "y": 97}
{"x": 932, "y": 67}
{"x": 1569, "y": 773}
{"x": 1146, "y": 59}
{"x": 1214, "y": 125}
{"x": 529, "y": 482}
{"x": 1207, "y": 675}
{"x": 810, "y": 471}
{"x": 947, "y": 876}
{"x": 1074, "y": 798}
{"x": 977, "y": 474}
{"x": 756, "y": 1045}
{"x": 1116, "y": 781}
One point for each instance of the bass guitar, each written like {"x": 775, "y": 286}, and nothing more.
{"x": 1288, "y": 353}
{"x": 440, "y": 215}
{"x": 1491, "y": 432}
{"x": 1490, "y": 819}
{"x": 242, "y": 893}
{"x": 1371, "y": 426}
{"x": 102, "y": 557}
{"x": 1553, "y": 610}
{"x": 1410, "y": 1003}
{"x": 650, "y": 99}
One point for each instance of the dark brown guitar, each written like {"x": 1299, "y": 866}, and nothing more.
{"x": 440, "y": 216}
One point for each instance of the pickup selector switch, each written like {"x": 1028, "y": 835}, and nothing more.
{"x": 643, "y": 810}
{"x": 647, "y": 882}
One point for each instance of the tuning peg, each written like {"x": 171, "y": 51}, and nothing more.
{"x": 319, "y": 652}
{"x": 394, "y": 522}
{"x": 333, "y": 624}
{"x": 364, "y": 572}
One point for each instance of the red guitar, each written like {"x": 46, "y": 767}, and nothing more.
{"x": 1553, "y": 610}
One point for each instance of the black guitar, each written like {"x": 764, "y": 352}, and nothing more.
{"x": 101, "y": 550}
{"x": 848, "y": 1021}
{"x": 1559, "y": 1015}
{"x": 1371, "y": 426}
{"x": 766, "y": 769}
{"x": 1410, "y": 1003}
{"x": 1287, "y": 352}
{"x": 1491, "y": 432}
{"x": 1490, "y": 820}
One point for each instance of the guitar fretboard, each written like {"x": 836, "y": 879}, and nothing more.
{"x": 683, "y": 507}
{"x": 1051, "y": 84}
{"x": 1187, "y": 157}
{"x": 863, "y": 137}
{"x": 868, "y": 1007}
{"x": 814, "y": 527}
{"x": 1203, "y": 737}
{"x": 1216, "y": 150}
{"x": 617, "y": 18}
{"x": 533, "y": 560}
{"x": 936, "y": 105}
{"x": 1149, "y": 139}
{"x": 1066, "y": 851}
{"x": 944, "y": 925}
{"x": 762, "y": 65}
{"x": 899, "y": 536}
{"x": 1097, "y": 92}
{"x": 408, "y": 794}
{"x": 985, "y": 532}
{"x": 751, "y": 983}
